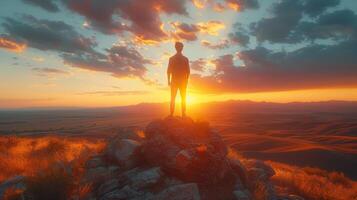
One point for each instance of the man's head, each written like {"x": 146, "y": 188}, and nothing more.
{"x": 178, "y": 46}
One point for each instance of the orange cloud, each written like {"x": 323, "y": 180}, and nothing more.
{"x": 211, "y": 27}
{"x": 199, "y": 3}
{"x": 11, "y": 45}
{"x": 233, "y": 5}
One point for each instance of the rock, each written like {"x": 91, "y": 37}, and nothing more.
{"x": 100, "y": 174}
{"x": 123, "y": 152}
{"x": 268, "y": 171}
{"x": 95, "y": 162}
{"x": 290, "y": 197}
{"x": 186, "y": 149}
{"x": 143, "y": 179}
{"x": 158, "y": 151}
{"x": 240, "y": 195}
{"x": 183, "y": 159}
{"x": 239, "y": 169}
{"x": 187, "y": 191}
{"x": 123, "y": 194}
{"x": 16, "y": 182}
{"x": 109, "y": 186}
{"x": 132, "y": 133}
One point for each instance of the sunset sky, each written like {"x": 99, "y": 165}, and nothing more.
{"x": 94, "y": 53}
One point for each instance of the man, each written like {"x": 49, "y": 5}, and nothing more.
{"x": 178, "y": 72}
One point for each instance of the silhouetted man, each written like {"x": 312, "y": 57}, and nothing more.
{"x": 178, "y": 72}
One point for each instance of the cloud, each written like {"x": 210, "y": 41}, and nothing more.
{"x": 211, "y": 27}
{"x": 48, "y": 5}
{"x": 189, "y": 32}
{"x": 340, "y": 24}
{"x": 136, "y": 16}
{"x": 315, "y": 66}
{"x": 198, "y": 65}
{"x": 11, "y": 45}
{"x": 286, "y": 25}
{"x": 47, "y": 35}
{"x": 240, "y": 5}
{"x": 120, "y": 61}
{"x": 222, "y": 5}
{"x": 286, "y": 16}
{"x": 222, "y": 44}
{"x": 185, "y": 31}
{"x": 315, "y": 7}
{"x": 49, "y": 72}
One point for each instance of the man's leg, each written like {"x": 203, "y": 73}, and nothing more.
{"x": 183, "y": 99}
{"x": 173, "y": 97}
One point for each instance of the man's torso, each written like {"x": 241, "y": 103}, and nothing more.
{"x": 179, "y": 69}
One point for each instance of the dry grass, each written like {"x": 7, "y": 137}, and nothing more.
{"x": 313, "y": 183}
{"x": 26, "y": 156}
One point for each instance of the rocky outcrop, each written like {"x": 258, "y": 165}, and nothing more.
{"x": 177, "y": 159}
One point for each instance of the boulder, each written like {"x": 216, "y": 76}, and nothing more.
{"x": 100, "y": 174}
{"x": 241, "y": 195}
{"x": 187, "y": 191}
{"x": 290, "y": 197}
{"x": 109, "y": 186}
{"x": 143, "y": 179}
{"x": 186, "y": 149}
{"x": 16, "y": 182}
{"x": 123, "y": 152}
{"x": 123, "y": 194}
{"x": 94, "y": 162}
{"x": 240, "y": 170}
{"x": 266, "y": 170}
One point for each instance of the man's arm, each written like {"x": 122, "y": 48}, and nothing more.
{"x": 169, "y": 71}
{"x": 187, "y": 69}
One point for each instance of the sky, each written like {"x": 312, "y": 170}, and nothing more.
{"x": 98, "y": 53}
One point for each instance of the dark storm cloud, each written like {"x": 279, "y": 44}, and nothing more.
{"x": 137, "y": 16}
{"x": 48, "y": 5}
{"x": 286, "y": 25}
{"x": 47, "y": 35}
{"x": 75, "y": 49}
{"x": 340, "y": 24}
{"x": 286, "y": 16}
{"x": 316, "y": 7}
{"x": 120, "y": 61}
{"x": 315, "y": 66}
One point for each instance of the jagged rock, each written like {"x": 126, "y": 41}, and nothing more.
{"x": 109, "y": 186}
{"x": 142, "y": 179}
{"x": 177, "y": 159}
{"x": 100, "y": 174}
{"x": 183, "y": 159}
{"x": 240, "y": 170}
{"x": 95, "y": 162}
{"x": 262, "y": 188}
{"x": 258, "y": 164}
{"x": 123, "y": 152}
{"x": 187, "y": 149}
{"x": 16, "y": 182}
{"x": 132, "y": 133}
{"x": 241, "y": 195}
{"x": 290, "y": 197}
{"x": 123, "y": 194}
{"x": 187, "y": 191}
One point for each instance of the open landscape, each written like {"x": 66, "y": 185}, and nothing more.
{"x": 322, "y": 135}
